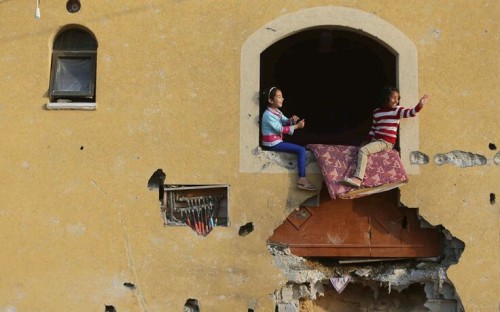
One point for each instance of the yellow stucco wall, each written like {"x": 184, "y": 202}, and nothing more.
{"x": 76, "y": 223}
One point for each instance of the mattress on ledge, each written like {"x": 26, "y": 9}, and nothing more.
{"x": 384, "y": 170}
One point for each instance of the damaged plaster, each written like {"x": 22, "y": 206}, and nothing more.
{"x": 460, "y": 159}
{"x": 418, "y": 158}
{"x": 285, "y": 160}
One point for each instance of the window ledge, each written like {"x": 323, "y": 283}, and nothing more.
{"x": 71, "y": 105}
{"x": 284, "y": 162}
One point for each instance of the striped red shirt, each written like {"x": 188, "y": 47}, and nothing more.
{"x": 386, "y": 122}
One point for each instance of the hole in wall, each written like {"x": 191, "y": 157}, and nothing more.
{"x": 392, "y": 277}
{"x": 192, "y": 305}
{"x": 245, "y": 229}
{"x": 492, "y": 198}
{"x": 109, "y": 308}
{"x": 156, "y": 181}
{"x": 492, "y": 146}
{"x": 200, "y": 207}
{"x": 129, "y": 285}
{"x": 408, "y": 299}
{"x": 81, "y": 148}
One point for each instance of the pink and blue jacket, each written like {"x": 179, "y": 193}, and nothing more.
{"x": 274, "y": 125}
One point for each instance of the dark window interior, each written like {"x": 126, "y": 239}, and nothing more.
{"x": 72, "y": 76}
{"x": 332, "y": 78}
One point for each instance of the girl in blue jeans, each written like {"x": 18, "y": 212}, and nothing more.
{"x": 274, "y": 125}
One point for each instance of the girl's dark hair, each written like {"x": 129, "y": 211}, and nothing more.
{"x": 385, "y": 93}
{"x": 268, "y": 94}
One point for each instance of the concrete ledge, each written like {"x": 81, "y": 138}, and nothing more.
{"x": 71, "y": 105}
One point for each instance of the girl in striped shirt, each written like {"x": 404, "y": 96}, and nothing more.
{"x": 384, "y": 130}
{"x": 274, "y": 125}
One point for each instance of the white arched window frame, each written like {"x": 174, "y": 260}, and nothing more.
{"x": 331, "y": 16}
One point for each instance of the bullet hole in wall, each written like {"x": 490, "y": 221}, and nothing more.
{"x": 192, "y": 305}
{"x": 246, "y": 229}
{"x": 109, "y": 308}
{"x": 492, "y": 146}
{"x": 492, "y": 198}
{"x": 129, "y": 285}
{"x": 81, "y": 148}
{"x": 157, "y": 180}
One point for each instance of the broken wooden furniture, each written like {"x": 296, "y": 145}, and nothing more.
{"x": 372, "y": 227}
{"x": 384, "y": 170}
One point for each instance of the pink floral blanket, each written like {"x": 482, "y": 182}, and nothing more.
{"x": 384, "y": 170}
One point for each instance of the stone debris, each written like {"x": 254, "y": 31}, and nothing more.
{"x": 307, "y": 278}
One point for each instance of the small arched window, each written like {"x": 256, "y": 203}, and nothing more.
{"x": 73, "y": 70}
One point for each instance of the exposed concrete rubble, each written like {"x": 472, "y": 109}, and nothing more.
{"x": 496, "y": 160}
{"x": 308, "y": 278}
{"x": 303, "y": 282}
{"x": 418, "y": 158}
{"x": 286, "y": 160}
{"x": 460, "y": 159}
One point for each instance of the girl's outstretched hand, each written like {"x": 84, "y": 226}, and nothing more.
{"x": 424, "y": 100}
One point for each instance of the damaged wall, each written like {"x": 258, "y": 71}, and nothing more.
{"x": 80, "y": 230}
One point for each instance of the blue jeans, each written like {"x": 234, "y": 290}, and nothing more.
{"x": 298, "y": 150}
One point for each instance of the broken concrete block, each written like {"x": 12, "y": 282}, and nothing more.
{"x": 287, "y": 293}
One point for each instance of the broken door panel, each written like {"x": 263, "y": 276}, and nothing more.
{"x": 366, "y": 227}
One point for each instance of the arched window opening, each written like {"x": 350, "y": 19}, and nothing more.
{"x": 73, "y": 68}
{"x": 331, "y": 77}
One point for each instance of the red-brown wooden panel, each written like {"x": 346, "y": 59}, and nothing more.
{"x": 372, "y": 226}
